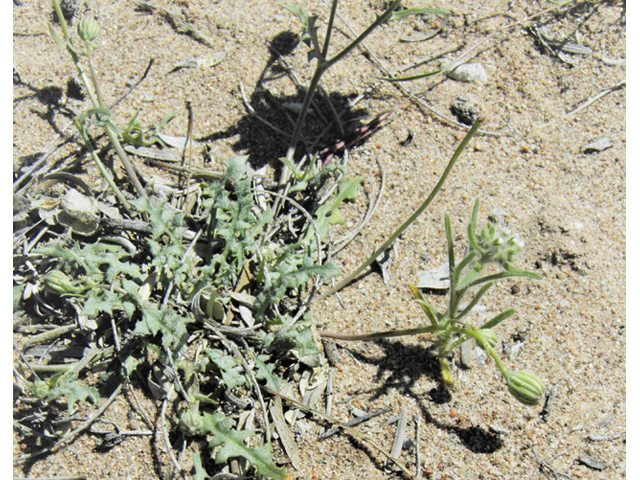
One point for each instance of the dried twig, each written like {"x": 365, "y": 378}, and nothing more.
{"x": 373, "y": 205}
{"x": 73, "y": 434}
{"x": 354, "y": 422}
{"x": 177, "y": 21}
{"x": 285, "y": 435}
{"x": 593, "y": 100}
{"x": 418, "y": 461}
{"x": 344, "y": 426}
{"x": 167, "y": 444}
{"x": 401, "y": 431}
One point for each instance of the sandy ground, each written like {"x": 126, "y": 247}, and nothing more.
{"x": 531, "y": 173}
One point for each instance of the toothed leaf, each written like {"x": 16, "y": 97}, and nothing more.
{"x": 232, "y": 443}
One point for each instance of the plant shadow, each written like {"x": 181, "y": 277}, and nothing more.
{"x": 401, "y": 366}
{"x": 265, "y": 131}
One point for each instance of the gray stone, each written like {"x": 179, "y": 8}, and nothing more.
{"x": 468, "y": 72}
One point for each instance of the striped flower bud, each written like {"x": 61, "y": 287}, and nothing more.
{"x": 191, "y": 423}
{"x": 40, "y": 389}
{"x": 526, "y": 387}
{"x": 58, "y": 282}
{"x": 88, "y": 29}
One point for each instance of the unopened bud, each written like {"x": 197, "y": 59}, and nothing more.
{"x": 88, "y": 29}
{"x": 58, "y": 282}
{"x": 526, "y": 387}
{"x": 40, "y": 389}
{"x": 191, "y": 423}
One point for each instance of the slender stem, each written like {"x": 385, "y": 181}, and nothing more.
{"x": 315, "y": 80}
{"x": 327, "y": 38}
{"x": 463, "y": 263}
{"x": 120, "y": 196}
{"x": 454, "y": 298}
{"x": 413, "y": 217}
{"x": 474, "y": 301}
{"x": 481, "y": 340}
{"x": 379, "y": 21}
{"x": 501, "y": 275}
{"x": 94, "y": 76}
{"x": 113, "y": 138}
{"x": 63, "y": 22}
{"x": 367, "y": 337}
{"x": 74, "y": 56}
{"x": 501, "y": 317}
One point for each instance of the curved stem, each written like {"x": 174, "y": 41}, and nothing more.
{"x": 413, "y": 217}
{"x": 487, "y": 348}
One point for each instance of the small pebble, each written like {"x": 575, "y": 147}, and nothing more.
{"x": 468, "y": 72}
{"x": 480, "y": 146}
{"x": 592, "y": 462}
{"x": 466, "y": 355}
{"x": 598, "y": 146}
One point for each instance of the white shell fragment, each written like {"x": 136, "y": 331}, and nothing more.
{"x": 598, "y": 146}
{"x": 79, "y": 213}
{"x": 436, "y": 279}
{"x": 205, "y": 62}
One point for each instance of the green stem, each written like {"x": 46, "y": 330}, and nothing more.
{"x": 413, "y": 217}
{"x": 501, "y": 275}
{"x": 119, "y": 195}
{"x": 473, "y": 302}
{"x": 367, "y": 337}
{"x": 379, "y": 21}
{"x": 74, "y": 56}
{"x": 327, "y": 38}
{"x": 487, "y": 348}
{"x": 113, "y": 138}
{"x": 94, "y": 76}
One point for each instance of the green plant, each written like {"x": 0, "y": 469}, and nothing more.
{"x": 88, "y": 30}
{"x": 197, "y": 302}
{"x": 485, "y": 248}
{"x": 324, "y": 61}
{"x": 164, "y": 288}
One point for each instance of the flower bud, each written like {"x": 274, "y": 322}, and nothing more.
{"x": 88, "y": 29}
{"x": 57, "y": 282}
{"x": 191, "y": 423}
{"x": 525, "y": 386}
{"x": 489, "y": 336}
{"x": 40, "y": 389}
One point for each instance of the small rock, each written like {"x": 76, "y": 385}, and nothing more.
{"x": 465, "y": 110}
{"x": 592, "y": 462}
{"x": 466, "y": 355}
{"x": 480, "y": 146}
{"x": 514, "y": 350}
{"x": 481, "y": 356}
{"x": 598, "y": 146}
{"x": 468, "y": 72}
